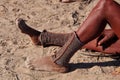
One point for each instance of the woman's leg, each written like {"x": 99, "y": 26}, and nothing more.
{"x": 44, "y": 38}
{"x": 112, "y": 15}
{"x": 106, "y": 10}
{"x": 93, "y": 25}
{"x": 89, "y": 30}
{"x": 59, "y": 39}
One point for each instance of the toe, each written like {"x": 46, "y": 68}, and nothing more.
{"x": 21, "y": 21}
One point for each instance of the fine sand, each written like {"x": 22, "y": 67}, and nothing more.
{"x": 53, "y": 16}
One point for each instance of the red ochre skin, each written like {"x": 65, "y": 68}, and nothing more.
{"x": 106, "y": 11}
{"x": 110, "y": 45}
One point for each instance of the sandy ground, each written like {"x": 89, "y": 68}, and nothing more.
{"x": 54, "y": 16}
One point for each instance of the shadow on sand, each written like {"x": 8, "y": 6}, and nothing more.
{"x": 89, "y": 65}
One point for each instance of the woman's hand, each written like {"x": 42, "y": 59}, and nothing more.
{"x": 107, "y": 35}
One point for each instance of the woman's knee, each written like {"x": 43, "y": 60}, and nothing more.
{"x": 104, "y": 4}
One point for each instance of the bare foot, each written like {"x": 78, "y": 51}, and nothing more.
{"x": 46, "y": 64}
{"x": 34, "y": 34}
{"x": 67, "y": 1}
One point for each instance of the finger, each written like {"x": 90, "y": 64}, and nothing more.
{"x": 99, "y": 39}
{"x": 102, "y": 41}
